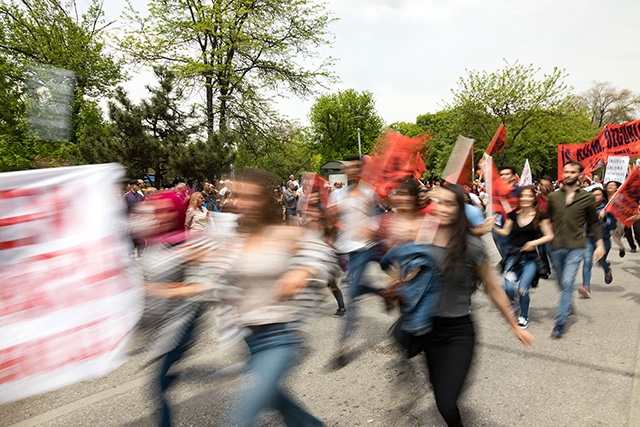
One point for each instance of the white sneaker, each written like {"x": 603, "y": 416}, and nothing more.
{"x": 523, "y": 322}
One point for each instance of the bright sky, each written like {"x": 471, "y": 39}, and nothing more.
{"x": 411, "y": 53}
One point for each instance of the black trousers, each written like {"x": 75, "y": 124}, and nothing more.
{"x": 449, "y": 350}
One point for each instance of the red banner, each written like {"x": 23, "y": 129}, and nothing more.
{"x": 624, "y": 203}
{"x": 502, "y": 199}
{"x": 498, "y": 142}
{"x": 613, "y": 140}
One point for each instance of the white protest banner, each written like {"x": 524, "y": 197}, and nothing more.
{"x": 527, "y": 178}
{"x": 617, "y": 169}
{"x": 67, "y": 304}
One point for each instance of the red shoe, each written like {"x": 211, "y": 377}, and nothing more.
{"x": 584, "y": 292}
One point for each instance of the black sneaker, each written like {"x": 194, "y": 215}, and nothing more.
{"x": 340, "y": 312}
{"x": 633, "y": 250}
{"x": 557, "y": 332}
{"x": 622, "y": 253}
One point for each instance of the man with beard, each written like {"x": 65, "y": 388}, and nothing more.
{"x": 569, "y": 210}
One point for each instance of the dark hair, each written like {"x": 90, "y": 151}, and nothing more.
{"x": 272, "y": 211}
{"x": 510, "y": 167}
{"x": 457, "y": 247}
{"x": 536, "y": 204}
{"x": 615, "y": 182}
{"x": 605, "y": 196}
{"x": 134, "y": 182}
{"x": 574, "y": 163}
{"x": 546, "y": 178}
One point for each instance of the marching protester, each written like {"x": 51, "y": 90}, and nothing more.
{"x": 570, "y": 209}
{"x": 523, "y": 226}
{"x": 608, "y": 224}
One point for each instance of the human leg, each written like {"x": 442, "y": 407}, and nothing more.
{"x": 528, "y": 272}
{"x": 449, "y": 351}
{"x": 570, "y": 264}
{"x": 510, "y": 279}
{"x": 274, "y": 351}
{"x": 628, "y": 234}
{"x": 587, "y": 267}
{"x": 358, "y": 262}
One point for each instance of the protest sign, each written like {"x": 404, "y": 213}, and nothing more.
{"x": 68, "y": 305}
{"x": 624, "y": 203}
{"x": 617, "y": 169}
{"x": 527, "y": 178}
{"x": 613, "y": 140}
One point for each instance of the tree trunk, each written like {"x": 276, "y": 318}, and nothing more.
{"x": 209, "y": 113}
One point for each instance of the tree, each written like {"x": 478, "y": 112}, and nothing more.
{"x": 50, "y": 32}
{"x": 234, "y": 50}
{"x": 335, "y": 129}
{"x": 513, "y": 96}
{"x": 608, "y": 105}
{"x": 153, "y": 134}
{"x": 49, "y": 45}
{"x": 282, "y": 151}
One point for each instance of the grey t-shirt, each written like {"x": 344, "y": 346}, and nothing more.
{"x": 460, "y": 281}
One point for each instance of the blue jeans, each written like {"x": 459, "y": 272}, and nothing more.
{"x": 274, "y": 351}
{"x": 566, "y": 263}
{"x": 358, "y": 262}
{"x": 525, "y": 271}
{"x": 588, "y": 259}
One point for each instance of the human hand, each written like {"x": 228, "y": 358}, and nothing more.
{"x": 602, "y": 214}
{"x": 524, "y": 337}
{"x": 292, "y": 282}
{"x": 528, "y": 247}
{"x": 598, "y": 253}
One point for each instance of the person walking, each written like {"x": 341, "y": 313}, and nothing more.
{"x": 569, "y": 210}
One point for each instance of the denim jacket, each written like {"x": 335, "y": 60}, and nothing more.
{"x": 420, "y": 294}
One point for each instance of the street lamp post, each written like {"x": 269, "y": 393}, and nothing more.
{"x": 359, "y": 118}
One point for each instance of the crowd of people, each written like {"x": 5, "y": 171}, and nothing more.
{"x": 264, "y": 253}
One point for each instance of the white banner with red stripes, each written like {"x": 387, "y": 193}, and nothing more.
{"x": 67, "y": 303}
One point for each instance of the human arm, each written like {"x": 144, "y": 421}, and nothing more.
{"x": 504, "y": 231}
{"x": 188, "y": 222}
{"x": 501, "y": 301}
{"x": 547, "y": 236}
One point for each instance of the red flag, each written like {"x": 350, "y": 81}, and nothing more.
{"x": 502, "y": 199}
{"x": 498, "y": 142}
{"x": 397, "y": 159}
{"x": 624, "y": 203}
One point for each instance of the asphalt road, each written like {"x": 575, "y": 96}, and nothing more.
{"x": 591, "y": 377}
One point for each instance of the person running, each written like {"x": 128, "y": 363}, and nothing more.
{"x": 523, "y": 226}
{"x": 608, "y": 224}
{"x": 463, "y": 261}
{"x": 620, "y": 230}
{"x": 570, "y": 209}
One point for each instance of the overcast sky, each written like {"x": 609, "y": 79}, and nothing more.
{"x": 411, "y": 53}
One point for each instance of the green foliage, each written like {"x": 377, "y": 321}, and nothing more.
{"x": 149, "y": 136}
{"x": 282, "y": 151}
{"x": 513, "y": 96}
{"x": 334, "y": 130}
{"x": 235, "y": 49}
{"x": 52, "y": 33}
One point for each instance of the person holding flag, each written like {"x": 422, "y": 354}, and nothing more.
{"x": 569, "y": 210}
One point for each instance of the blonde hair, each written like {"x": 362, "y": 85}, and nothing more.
{"x": 194, "y": 199}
